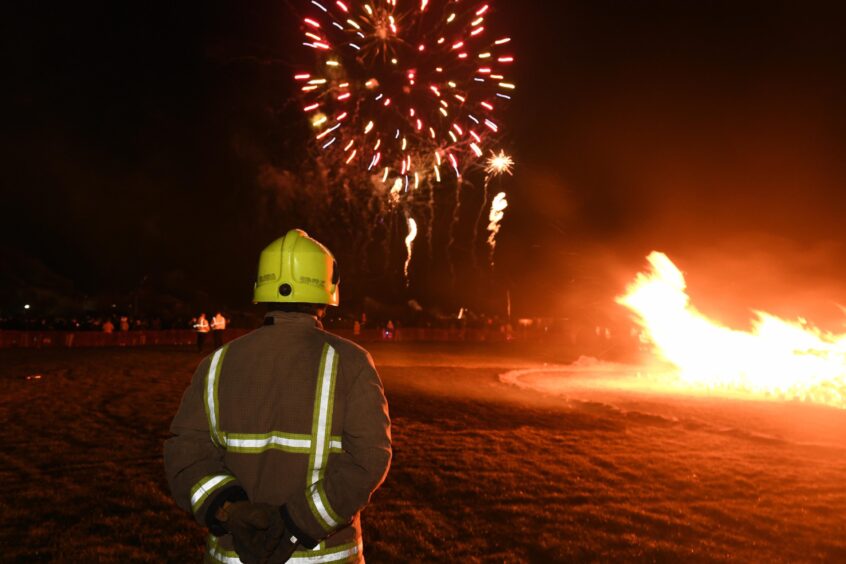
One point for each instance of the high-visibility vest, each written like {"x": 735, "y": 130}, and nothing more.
{"x": 202, "y": 325}
{"x": 218, "y": 323}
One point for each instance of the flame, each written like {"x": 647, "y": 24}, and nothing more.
{"x": 409, "y": 244}
{"x": 775, "y": 359}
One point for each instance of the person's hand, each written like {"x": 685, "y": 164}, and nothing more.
{"x": 256, "y": 529}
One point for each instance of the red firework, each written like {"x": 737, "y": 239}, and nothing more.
{"x": 405, "y": 90}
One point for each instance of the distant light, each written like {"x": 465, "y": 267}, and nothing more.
{"x": 26, "y": 306}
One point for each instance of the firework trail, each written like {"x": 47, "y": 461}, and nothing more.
{"x": 496, "y": 214}
{"x": 496, "y": 165}
{"x": 455, "y": 217}
{"x": 431, "y": 225}
{"x": 409, "y": 245}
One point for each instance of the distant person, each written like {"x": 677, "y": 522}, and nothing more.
{"x": 201, "y": 327}
{"x": 283, "y": 435}
{"x": 218, "y": 326}
{"x": 124, "y": 323}
{"x": 389, "y": 330}
{"x": 108, "y": 327}
{"x": 356, "y": 328}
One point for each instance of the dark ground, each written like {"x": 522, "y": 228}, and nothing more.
{"x": 482, "y": 472}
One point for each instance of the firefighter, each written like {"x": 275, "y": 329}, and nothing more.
{"x": 201, "y": 327}
{"x": 283, "y": 435}
{"x": 218, "y": 325}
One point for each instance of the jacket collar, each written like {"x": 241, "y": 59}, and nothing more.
{"x": 292, "y": 318}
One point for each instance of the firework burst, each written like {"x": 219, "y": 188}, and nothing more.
{"x": 408, "y": 91}
{"x": 499, "y": 163}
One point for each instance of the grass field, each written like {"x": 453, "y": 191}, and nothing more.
{"x": 483, "y": 471}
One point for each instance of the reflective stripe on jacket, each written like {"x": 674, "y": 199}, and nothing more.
{"x": 350, "y": 552}
{"x": 293, "y": 415}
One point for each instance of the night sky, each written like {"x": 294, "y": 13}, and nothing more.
{"x": 135, "y": 135}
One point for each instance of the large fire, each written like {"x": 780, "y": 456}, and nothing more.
{"x": 775, "y": 359}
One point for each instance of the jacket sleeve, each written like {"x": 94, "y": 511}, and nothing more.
{"x": 198, "y": 478}
{"x": 351, "y": 477}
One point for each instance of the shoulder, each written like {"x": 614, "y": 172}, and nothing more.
{"x": 245, "y": 344}
{"x": 348, "y": 351}
{"x": 203, "y": 368}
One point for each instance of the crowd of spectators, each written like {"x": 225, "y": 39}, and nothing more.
{"x": 116, "y": 322}
{"x": 127, "y": 330}
{"x": 91, "y": 322}
{"x": 381, "y": 327}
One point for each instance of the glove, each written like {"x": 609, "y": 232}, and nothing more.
{"x": 285, "y": 547}
{"x": 256, "y": 529}
{"x": 287, "y": 542}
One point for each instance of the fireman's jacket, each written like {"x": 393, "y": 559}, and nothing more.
{"x": 288, "y": 414}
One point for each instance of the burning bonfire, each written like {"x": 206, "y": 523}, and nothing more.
{"x": 776, "y": 359}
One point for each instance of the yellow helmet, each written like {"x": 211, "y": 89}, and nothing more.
{"x": 297, "y": 269}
